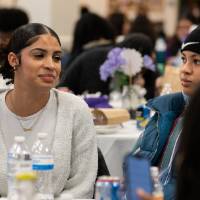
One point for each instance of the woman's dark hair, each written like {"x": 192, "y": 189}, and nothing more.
{"x": 139, "y": 42}
{"x": 144, "y": 45}
{"x": 117, "y": 21}
{"x": 23, "y": 37}
{"x": 90, "y": 27}
{"x": 84, "y": 10}
{"x": 188, "y": 162}
{"x": 142, "y": 24}
{"x": 12, "y": 18}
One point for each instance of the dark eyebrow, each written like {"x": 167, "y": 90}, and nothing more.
{"x": 43, "y": 50}
{"x": 196, "y": 55}
{"x": 193, "y": 55}
{"x": 58, "y": 52}
{"x": 38, "y": 49}
{"x": 182, "y": 53}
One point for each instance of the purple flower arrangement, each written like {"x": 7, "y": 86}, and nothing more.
{"x": 112, "y": 63}
{"x": 124, "y": 62}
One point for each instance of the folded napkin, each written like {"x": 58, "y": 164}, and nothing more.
{"x": 108, "y": 116}
{"x": 98, "y": 102}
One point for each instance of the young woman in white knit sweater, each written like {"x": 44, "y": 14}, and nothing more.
{"x": 33, "y": 64}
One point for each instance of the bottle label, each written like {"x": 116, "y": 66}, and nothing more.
{"x": 25, "y": 166}
{"x": 15, "y": 166}
{"x": 42, "y": 162}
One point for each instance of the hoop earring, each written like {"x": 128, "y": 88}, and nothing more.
{"x": 15, "y": 67}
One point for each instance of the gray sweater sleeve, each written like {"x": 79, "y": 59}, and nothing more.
{"x": 84, "y": 155}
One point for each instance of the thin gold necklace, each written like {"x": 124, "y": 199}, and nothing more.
{"x": 28, "y": 129}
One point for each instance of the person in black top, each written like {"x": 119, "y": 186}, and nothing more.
{"x": 83, "y": 74}
{"x": 91, "y": 30}
{"x": 10, "y": 19}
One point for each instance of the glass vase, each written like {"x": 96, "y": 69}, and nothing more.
{"x": 130, "y": 97}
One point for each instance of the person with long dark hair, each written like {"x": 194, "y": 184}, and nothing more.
{"x": 33, "y": 65}
{"x": 187, "y": 160}
{"x": 188, "y": 163}
{"x": 83, "y": 74}
{"x": 142, "y": 24}
{"x": 10, "y": 19}
{"x": 90, "y": 31}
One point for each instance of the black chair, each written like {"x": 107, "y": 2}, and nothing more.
{"x": 102, "y": 167}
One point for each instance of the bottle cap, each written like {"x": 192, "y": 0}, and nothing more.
{"x": 19, "y": 139}
{"x": 154, "y": 171}
{"x": 42, "y": 135}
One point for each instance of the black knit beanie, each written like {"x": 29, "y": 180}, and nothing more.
{"x": 192, "y": 42}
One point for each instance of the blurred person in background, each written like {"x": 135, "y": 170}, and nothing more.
{"x": 10, "y": 19}
{"x": 83, "y": 74}
{"x": 174, "y": 43}
{"x": 84, "y": 10}
{"x": 65, "y": 53}
{"x": 90, "y": 31}
{"x": 160, "y": 141}
{"x": 192, "y": 7}
{"x": 120, "y": 24}
{"x": 142, "y": 24}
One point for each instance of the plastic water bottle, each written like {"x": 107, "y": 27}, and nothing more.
{"x": 160, "y": 48}
{"x": 19, "y": 160}
{"x": 26, "y": 185}
{"x": 43, "y": 164}
{"x": 157, "y": 186}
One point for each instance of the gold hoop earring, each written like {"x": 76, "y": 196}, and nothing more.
{"x": 15, "y": 67}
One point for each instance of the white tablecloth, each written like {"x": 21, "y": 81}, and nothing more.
{"x": 115, "y": 143}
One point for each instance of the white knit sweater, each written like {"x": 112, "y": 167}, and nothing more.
{"x": 74, "y": 147}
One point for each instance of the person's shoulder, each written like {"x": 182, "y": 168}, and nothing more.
{"x": 168, "y": 97}
{"x": 169, "y": 102}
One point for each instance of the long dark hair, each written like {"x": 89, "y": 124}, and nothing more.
{"x": 12, "y": 18}
{"x": 142, "y": 24}
{"x": 139, "y": 42}
{"x": 21, "y": 38}
{"x": 188, "y": 162}
{"x": 90, "y": 27}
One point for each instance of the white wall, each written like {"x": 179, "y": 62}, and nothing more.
{"x": 58, "y": 14}
{"x": 61, "y": 15}
{"x": 170, "y": 16}
{"x": 38, "y": 10}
